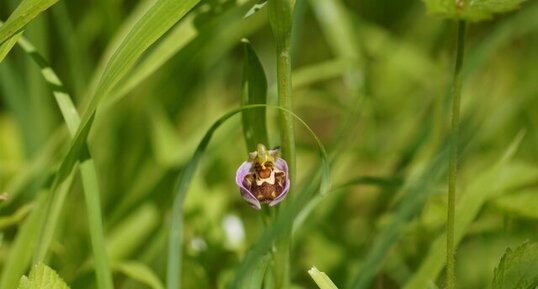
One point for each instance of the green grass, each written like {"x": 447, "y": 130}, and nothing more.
{"x": 121, "y": 131}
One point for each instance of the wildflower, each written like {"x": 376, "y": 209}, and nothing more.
{"x": 263, "y": 178}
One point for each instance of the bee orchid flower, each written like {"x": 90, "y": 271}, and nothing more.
{"x": 263, "y": 178}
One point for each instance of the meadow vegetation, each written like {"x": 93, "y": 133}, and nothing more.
{"x": 409, "y": 128}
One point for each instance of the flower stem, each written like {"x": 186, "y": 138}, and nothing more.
{"x": 280, "y": 19}
{"x": 453, "y": 163}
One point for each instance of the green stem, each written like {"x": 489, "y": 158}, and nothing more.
{"x": 453, "y": 165}
{"x": 285, "y": 100}
{"x": 281, "y": 19}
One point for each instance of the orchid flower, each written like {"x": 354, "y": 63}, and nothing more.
{"x": 263, "y": 178}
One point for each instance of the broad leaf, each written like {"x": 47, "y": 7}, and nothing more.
{"x": 518, "y": 269}
{"x": 42, "y": 277}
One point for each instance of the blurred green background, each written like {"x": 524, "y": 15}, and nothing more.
{"x": 370, "y": 77}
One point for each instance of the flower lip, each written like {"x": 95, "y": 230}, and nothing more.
{"x": 282, "y": 165}
{"x": 243, "y": 170}
{"x": 263, "y": 178}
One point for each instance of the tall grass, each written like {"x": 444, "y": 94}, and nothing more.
{"x": 135, "y": 188}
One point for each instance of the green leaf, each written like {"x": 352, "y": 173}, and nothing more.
{"x": 6, "y": 46}
{"x": 150, "y": 28}
{"x": 175, "y": 40}
{"x": 42, "y": 277}
{"x": 470, "y": 10}
{"x": 88, "y": 173}
{"x": 524, "y": 204}
{"x": 322, "y": 280}
{"x": 518, "y": 269}
{"x": 253, "y": 91}
{"x": 154, "y": 24}
{"x": 23, "y": 14}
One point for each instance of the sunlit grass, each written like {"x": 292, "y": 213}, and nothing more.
{"x": 117, "y": 162}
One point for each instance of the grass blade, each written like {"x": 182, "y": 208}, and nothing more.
{"x": 150, "y": 28}
{"x": 253, "y": 91}
{"x": 89, "y": 179}
{"x": 23, "y": 14}
{"x": 322, "y": 280}
{"x": 157, "y": 21}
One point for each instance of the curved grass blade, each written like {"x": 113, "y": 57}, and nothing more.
{"x": 209, "y": 43}
{"x": 175, "y": 40}
{"x": 88, "y": 173}
{"x": 23, "y": 14}
{"x": 282, "y": 223}
{"x": 253, "y": 91}
{"x": 151, "y": 27}
{"x": 127, "y": 25}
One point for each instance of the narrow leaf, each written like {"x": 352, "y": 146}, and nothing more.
{"x": 253, "y": 91}
{"x": 150, "y": 28}
{"x": 88, "y": 172}
{"x": 8, "y": 45}
{"x": 154, "y": 24}
{"x": 23, "y": 14}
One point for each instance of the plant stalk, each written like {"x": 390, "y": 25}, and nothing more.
{"x": 453, "y": 162}
{"x": 281, "y": 19}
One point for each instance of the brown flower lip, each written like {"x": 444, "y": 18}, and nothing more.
{"x": 263, "y": 178}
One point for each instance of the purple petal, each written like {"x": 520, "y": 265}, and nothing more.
{"x": 242, "y": 171}
{"x": 281, "y": 165}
